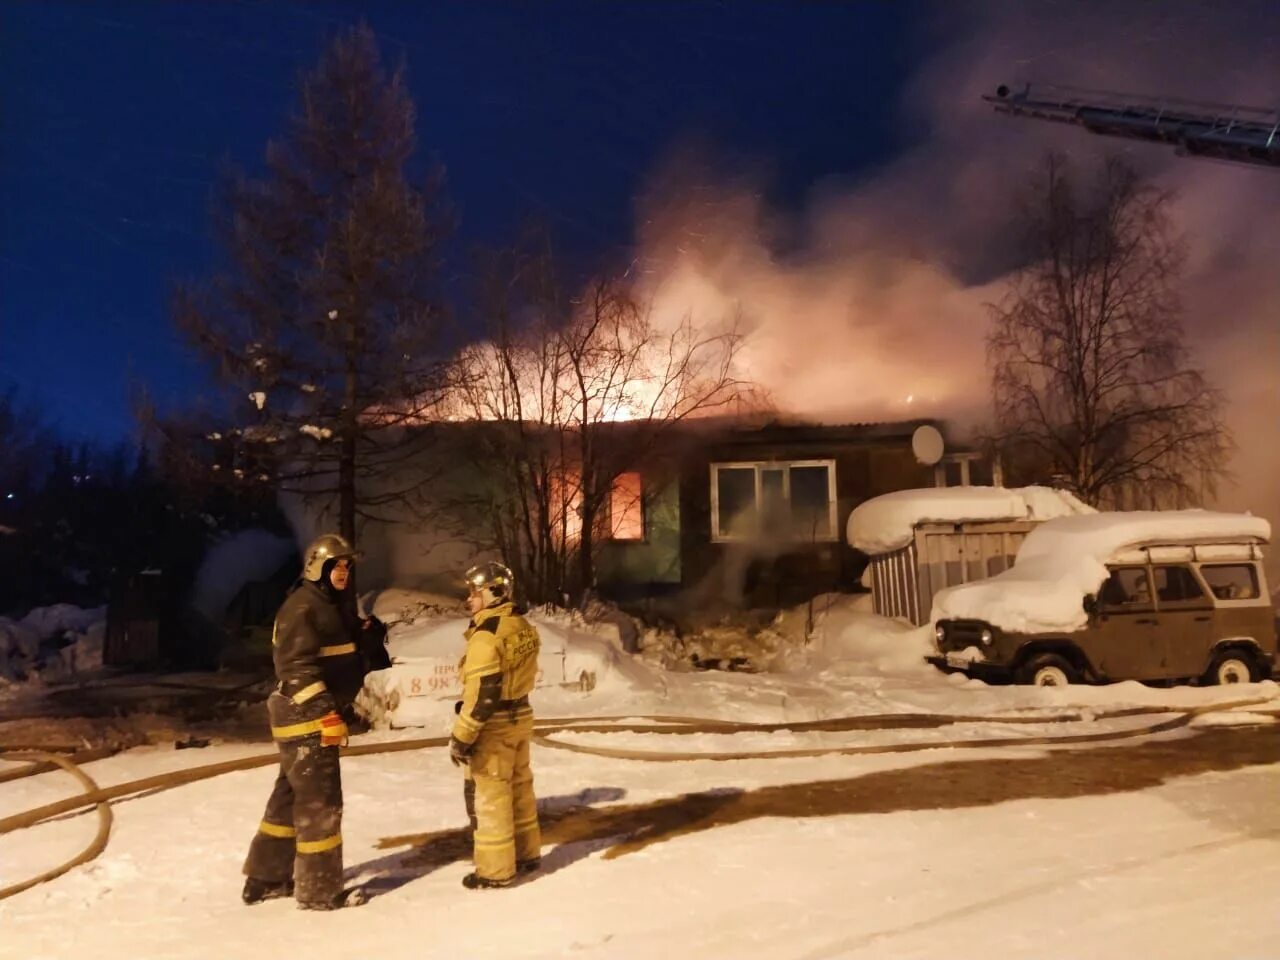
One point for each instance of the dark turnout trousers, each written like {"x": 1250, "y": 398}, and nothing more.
{"x": 301, "y": 830}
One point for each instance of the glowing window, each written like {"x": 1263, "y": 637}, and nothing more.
{"x": 626, "y": 508}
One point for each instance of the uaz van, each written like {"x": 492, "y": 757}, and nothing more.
{"x": 1191, "y": 611}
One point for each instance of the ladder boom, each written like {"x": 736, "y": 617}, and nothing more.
{"x": 1221, "y": 131}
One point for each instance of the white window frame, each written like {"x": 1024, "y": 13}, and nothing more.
{"x": 759, "y": 466}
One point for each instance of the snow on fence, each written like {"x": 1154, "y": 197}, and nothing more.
{"x": 922, "y": 541}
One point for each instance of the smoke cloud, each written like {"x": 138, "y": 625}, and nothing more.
{"x": 870, "y": 303}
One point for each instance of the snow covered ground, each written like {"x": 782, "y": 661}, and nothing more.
{"x": 1159, "y": 845}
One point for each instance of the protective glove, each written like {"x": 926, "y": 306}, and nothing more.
{"x": 459, "y": 752}
{"x": 333, "y": 731}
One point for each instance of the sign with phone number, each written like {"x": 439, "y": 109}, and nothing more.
{"x": 437, "y": 679}
{"x": 432, "y": 679}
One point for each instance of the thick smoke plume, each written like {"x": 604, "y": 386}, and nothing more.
{"x": 870, "y": 303}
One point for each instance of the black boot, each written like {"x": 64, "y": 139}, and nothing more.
{"x": 351, "y": 897}
{"x": 255, "y": 890}
{"x": 528, "y": 866}
{"x": 473, "y": 881}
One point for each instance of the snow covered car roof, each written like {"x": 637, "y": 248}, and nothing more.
{"x": 888, "y": 522}
{"x": 1064, "y": 560}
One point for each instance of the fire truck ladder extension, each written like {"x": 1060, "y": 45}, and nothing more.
{"x": 1218, "y": 131}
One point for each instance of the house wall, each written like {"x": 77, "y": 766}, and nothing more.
{"x": 428, "y": 547}
{"x": 782, "y": 573}
{"x": 626, "y": 568}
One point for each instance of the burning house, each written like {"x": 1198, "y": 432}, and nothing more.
{"x": 729, "y": 513}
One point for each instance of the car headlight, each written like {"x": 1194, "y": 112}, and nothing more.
{"x": 940, "y": 633}
{"x": 986, "y": 637}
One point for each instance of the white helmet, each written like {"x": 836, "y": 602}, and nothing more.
{"x": 329, "y": 546}
{"x": 492, "y": 580}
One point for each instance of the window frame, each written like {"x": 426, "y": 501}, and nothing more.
{"x": 760, "y": 466}
{"x": 1203, "y": 602}
{"x": 1256, "y": 582}
{"x": 643, "y": 507}
{"x": 1129, "y": 606}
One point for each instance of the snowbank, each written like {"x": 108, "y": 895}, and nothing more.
{"x": 51, "y": 643}
{"x": 61, "y": 618}
{"x": 887, "y": 522}
{"x": 396, "y": 605}
{"x": 1062, "y": 561}
{"x": 836, "y": 629}
{"x": 425, "y": 640}
{"x": 850, "y": 633}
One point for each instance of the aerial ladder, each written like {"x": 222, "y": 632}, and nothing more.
{"x": 1219, "y": 131}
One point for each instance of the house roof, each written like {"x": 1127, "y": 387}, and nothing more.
{"x": 780, "y": 429}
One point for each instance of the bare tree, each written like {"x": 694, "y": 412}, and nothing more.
{"x": 578, "y": 391}
{"x": 324, "y": 323}
{"x": 1092, "y": 383}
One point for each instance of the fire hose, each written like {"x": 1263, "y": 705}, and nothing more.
{"x": 96, "y": 845}
{"x": 100, "y": 798}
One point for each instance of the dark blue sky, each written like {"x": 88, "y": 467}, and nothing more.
{"x": 116, "y": 117}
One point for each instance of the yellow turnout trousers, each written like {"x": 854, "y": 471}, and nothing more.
{"x": 499, "y": 794}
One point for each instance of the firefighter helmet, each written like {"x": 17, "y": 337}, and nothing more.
{"x": 326, "y": 547}
{"x": 492, "y": 580}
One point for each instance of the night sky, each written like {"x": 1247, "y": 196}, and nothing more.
{"x": 117, "y": 116}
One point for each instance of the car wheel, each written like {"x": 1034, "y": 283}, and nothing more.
{"x": 1048, "y": 670}
{"x": 1233, "y": 666}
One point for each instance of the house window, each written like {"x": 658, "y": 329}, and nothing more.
{"x": 626, "y": 508}
{"x": 787, "y": 501}
{"x": 963, "y": 470}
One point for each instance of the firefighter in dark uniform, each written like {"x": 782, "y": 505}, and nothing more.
{"x": 493, "y": 728}
{"x": 320, "y": 667}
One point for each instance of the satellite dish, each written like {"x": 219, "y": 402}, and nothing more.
{"x": 927, "y": 445}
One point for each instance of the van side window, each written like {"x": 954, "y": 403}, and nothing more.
{"x": 1231, "y": 581}
{"x": 1176, "y": 583}
{"x": 1126, "y": 587}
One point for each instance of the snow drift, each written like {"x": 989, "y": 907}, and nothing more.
{"x": 51, "y": 643}
{"x": 887, "y": 522}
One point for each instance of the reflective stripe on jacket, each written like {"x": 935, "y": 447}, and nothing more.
{"x": 311, "y": 643}
{"x": 500, "y": 665}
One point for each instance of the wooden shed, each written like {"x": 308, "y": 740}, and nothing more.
{"x": 904, "y": 581}
{"x": 922, "y": 541}
{"x": 133, "y": 620}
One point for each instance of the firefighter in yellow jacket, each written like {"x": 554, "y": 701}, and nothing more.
{"x": 494, "y": 726}
{"x": 316, "y": 648}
